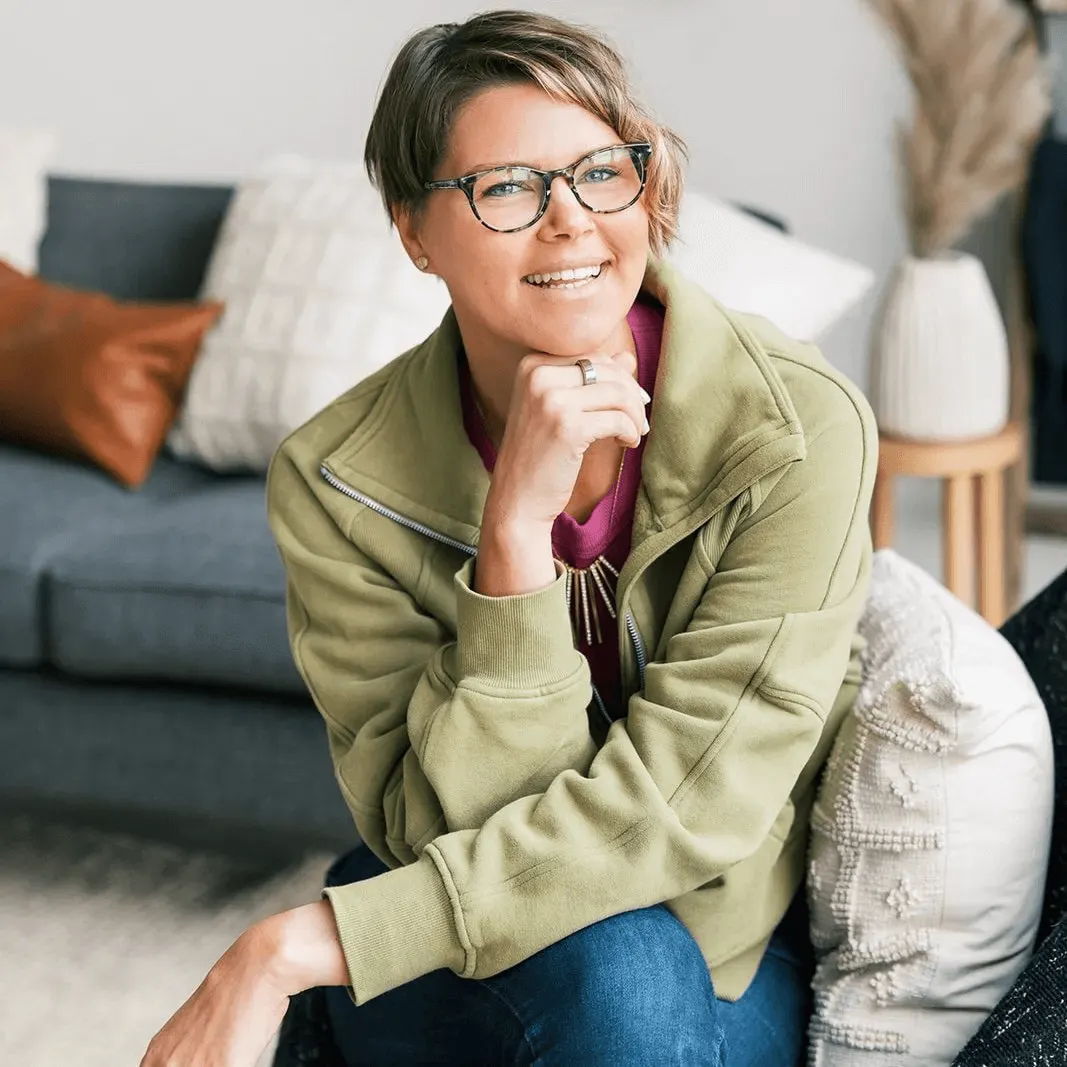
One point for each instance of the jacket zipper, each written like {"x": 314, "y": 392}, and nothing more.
{"x": 436, "y": 535}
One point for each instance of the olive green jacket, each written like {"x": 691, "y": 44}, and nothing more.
{"x": 463, "y": 729}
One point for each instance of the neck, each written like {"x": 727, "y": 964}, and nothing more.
{"x": 494, "y": 364}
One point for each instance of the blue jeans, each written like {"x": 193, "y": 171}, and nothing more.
{"x": 630, "y": 990}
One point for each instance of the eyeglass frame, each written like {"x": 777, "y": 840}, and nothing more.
{"x": 640, "y": 152}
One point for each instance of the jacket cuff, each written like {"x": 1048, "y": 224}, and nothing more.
{"x": 523, "y": 641}
{"x": 394, "y": 928}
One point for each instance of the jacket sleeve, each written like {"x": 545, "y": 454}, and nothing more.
{"x": 429, "y": 731}
{"x": 689, "y": 784}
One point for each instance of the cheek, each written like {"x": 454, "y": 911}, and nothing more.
{"x": 631, "y": 236}
{"x": 472, "y": 260}
{"x": 627, "y": 240}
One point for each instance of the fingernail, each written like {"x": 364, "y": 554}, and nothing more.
{"x": 645, "y": 430}
{"x": 648, "y": 399}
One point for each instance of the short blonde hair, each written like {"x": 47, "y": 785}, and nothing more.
{"x": 442, "y": 67}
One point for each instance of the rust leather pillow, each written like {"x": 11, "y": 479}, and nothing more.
{"x": 86, "y": 376}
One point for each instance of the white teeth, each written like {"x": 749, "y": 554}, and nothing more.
{"x": 566, "y": 277}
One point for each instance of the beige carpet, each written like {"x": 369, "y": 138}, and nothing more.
{"x": 103, "y": 936}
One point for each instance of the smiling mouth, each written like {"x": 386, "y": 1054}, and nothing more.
{"x": 575, "y": 278}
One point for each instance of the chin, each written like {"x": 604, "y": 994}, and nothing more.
{"x": 569, "y": 332}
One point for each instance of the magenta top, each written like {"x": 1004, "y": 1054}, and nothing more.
{"x": 579, "y": 543}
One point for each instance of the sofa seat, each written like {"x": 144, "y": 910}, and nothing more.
{"x": 192, "y": 591}
{"x": 179, "y": 580}
{"x": 50, "y": 506}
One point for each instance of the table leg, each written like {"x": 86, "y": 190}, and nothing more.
{"x": 882, "y": 511}
{"x": 957, "y": 516}
{"x": 991, "y": 547}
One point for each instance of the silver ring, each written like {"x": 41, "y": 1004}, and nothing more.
{"x": 588, "y": 371}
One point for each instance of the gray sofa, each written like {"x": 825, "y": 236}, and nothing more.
{"x": 145, "y": 676}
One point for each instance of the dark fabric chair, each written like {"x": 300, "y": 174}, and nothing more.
{"x": 1028, "y": 1028}
{"x": 1044, "y": 249}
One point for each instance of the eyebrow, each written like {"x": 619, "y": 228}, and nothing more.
{"x": 497, "y": 166}
{"x": 535, "y": 166}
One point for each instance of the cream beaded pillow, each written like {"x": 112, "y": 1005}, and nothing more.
{"x": 930, "y": 832}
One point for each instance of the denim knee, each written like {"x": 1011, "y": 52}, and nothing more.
{"x": 632, "y": 989}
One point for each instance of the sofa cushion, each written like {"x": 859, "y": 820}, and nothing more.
{"x": 318, "y": 293}
{"x": 192, "y": 591}
{"x": 134, "y": 240}
{"x": 24, "y": 155}
{"x": 92, "y": 378}
{"x": 48, "y": 505}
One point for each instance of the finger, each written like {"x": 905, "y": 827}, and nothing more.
{"x": 627, "y": 360}
{"x": 598, "y": 425}
{"x": 606, "y": 396}
{"x": 543, "y": 374}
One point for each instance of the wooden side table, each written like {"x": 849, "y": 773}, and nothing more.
{"x": 972, "y": 506}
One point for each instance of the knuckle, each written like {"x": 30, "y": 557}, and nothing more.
{"x": 537, "y": 380}
{"x": 552, "y": 406}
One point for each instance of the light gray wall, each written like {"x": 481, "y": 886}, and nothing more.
{"x": 786, "y": 105}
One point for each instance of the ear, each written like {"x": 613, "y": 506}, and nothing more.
{"x": 406, "y": 223}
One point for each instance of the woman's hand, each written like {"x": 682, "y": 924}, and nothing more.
{"x": 552, "y": 420}
{"x": 232, "y": 1015}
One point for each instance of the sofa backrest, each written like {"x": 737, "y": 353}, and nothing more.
{"x": 134, "y": 240}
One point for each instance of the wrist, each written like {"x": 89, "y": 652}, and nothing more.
{"x": 299, "y": 948}
{"x": 513, "y": 558}
{"x": 515, "y": 537}
{"x": 505, "y": 526}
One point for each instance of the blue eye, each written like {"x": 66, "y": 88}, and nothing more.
{"x": 502, "y": 190}
{"x": 600, "y": 174}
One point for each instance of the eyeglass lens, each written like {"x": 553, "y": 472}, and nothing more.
{"x": 510, "y": 197}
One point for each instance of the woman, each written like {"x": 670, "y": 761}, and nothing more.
{"x": 574, "y": 585}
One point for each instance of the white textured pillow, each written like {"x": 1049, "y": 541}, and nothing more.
{"x": 319, "y": 293}
{"x": 930, "y": 832}
{"x": 749, "y": 265}
{"x": 24, "y": 159}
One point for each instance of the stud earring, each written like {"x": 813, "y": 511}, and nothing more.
{"x": 422, "y": 263}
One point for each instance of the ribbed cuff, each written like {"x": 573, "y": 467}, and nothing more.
{"x": 395, "y": 927}
{"x": 521, "y": 641}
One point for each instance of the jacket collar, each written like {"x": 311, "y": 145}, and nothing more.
{"x": 720, "y": 418}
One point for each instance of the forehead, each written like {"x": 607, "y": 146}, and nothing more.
{"x": 522, "y": 124}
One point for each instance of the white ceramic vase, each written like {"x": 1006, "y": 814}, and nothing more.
{"x": 941, "y": 369}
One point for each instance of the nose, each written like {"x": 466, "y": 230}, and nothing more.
{"x": 565, "y": 216}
